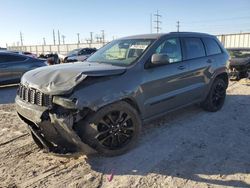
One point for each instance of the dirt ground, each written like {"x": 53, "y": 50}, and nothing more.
{"x": 187, "y": 148}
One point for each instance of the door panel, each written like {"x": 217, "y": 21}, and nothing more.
{"x": 165, "y": 88}
{"x": 200, "y": 73}
{"x": 200, "y": 66}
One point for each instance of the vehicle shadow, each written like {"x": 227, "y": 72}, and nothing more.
{"x": 8, "y": 94}
{"x": 191, "y": 144}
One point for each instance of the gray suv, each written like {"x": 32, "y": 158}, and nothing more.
{"x": 100, "y": 104}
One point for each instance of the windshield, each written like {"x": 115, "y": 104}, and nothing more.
{"x": 73, "y": 52}
{"x": 239, "y": 53}
{"x": 121, "y": 52}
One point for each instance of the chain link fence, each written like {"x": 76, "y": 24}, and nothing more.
{"x": 59, "y": 49}
{"x": 239, "y": 40}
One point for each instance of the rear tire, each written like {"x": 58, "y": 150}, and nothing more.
{"x": 112, "y": 130}
{"x": 216, "y": 96}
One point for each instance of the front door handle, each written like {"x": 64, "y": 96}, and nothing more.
{"x": 210, "y": 61}
{"x": 181, "y": 67}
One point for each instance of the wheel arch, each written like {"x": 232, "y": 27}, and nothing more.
{"x": 133, "y": 103}
{"x": 224, "y": 77}
{"x": 84, "y": 111}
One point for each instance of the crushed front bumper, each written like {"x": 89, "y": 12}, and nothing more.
{"x": 51, "y": 130}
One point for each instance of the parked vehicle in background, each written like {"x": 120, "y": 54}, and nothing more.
{"x": 13, "y": 66}
{"x": 239, "y": 63}
{"x": 102, "y": 103}
{"x": 3, "y": 49}
{"x": 52, "y": 58}
{"x": 80, "y": 54}
{"x": 25, "y": 53}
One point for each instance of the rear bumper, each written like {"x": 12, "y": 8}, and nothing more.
{"x": 54, "y": 132}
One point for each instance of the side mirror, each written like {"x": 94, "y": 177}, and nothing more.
{"x": 160, "y": 59}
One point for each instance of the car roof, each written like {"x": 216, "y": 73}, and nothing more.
{"x": 12, "y": 53}
{"x": 83, "y": 49}
{"x": 159, "y": 35}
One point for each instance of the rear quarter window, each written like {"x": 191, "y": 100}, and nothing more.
{"x": 212, "y": 47}
{"x": 193, "y": 48}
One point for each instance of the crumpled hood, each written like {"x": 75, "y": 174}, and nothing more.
{"x": 61, "y": 79}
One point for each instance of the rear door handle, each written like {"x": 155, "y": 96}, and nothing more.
{"x": 181, "y": 67}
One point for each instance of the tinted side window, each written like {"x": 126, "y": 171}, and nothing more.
{"x": 83, "y": 52}
{"x": 11, "y": 58}
{"x": 90, "y": 51}
{"x": 212, "y": 46}
{"x": 172, "y": 48}
{"x": 193, "y": 48}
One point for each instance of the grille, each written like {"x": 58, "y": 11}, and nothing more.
{"x": 34, "y": 96}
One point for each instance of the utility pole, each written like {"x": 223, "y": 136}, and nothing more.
{"x": 178, "y": 26}
{"x": 88, "y": 41}
{"x": 103, "y": 35}
{"x": 157, "y": 21}
{"x": 58, "y": 33}
{"x": 54, "y": 37}
{"x": 91, "y": 37}
{"x": 78, "y": 38}
{"x": 97, "y": 38}
{"x": 21, "y": 38}
{"x": 151, "y": 31}
{"x": 63, "y": 39}
{"x": 44, "y": 41}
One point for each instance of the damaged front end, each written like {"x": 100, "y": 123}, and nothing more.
{"x": 44, "y": 102}
{"x": 52, "y": 123}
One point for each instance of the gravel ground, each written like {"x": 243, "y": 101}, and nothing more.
{"x": 186, "y": 148}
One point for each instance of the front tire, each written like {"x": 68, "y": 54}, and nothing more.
{"x": 216, "y": 96}
{"x": 112, "y": 130}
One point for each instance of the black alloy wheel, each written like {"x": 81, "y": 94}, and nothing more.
{"x": 216, "y": 97}
{"x": 112, "y": 130}
{"x": 115, "y": 130}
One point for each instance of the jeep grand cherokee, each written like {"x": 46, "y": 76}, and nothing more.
{"x": 102, "y": 102}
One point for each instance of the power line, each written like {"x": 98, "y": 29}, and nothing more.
{"x": 218, "y": 20}
{"x": 226, "y": 25}
{"x": 157, "y": 21}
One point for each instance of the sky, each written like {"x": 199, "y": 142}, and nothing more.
{"x": 36, "y": 19}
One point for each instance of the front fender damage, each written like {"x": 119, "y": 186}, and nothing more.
{"x": 56, "y": 133}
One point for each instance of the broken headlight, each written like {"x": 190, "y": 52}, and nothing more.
{"x": 65, "y": 102}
